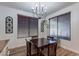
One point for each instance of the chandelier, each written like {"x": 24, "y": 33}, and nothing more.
{"x": 39, "y": 10}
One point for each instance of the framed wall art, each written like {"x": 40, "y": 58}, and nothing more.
{"x": 8, "y": 24}
{"x": 42, "y": 25}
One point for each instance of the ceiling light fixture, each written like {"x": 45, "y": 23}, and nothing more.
{"x": 39, "y": 10}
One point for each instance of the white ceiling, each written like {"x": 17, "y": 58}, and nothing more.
{"x": 27, "y": 6}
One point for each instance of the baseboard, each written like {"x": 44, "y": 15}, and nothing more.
{"x": 75, "y": 51}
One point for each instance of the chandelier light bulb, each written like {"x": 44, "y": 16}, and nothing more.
{"x": 36, "y": 5}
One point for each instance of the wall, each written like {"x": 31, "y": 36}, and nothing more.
{"x": 14, "y": 41}
{"x": 73, "y": 44}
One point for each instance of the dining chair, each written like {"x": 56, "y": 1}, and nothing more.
{"x": 33, "y": 48}
{"x": 28, "y": 45}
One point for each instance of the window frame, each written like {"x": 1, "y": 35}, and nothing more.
{"x": 28, "y": 25}
{"x": 57, "y": 25}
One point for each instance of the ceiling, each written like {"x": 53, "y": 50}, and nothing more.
{"x": 27, "y": 6}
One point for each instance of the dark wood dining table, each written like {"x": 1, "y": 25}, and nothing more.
{"x": 40, "y": 44}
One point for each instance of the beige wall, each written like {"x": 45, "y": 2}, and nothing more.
{"x": 73, "y": 44}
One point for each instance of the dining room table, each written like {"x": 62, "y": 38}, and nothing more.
{"x": 40, "y": 44}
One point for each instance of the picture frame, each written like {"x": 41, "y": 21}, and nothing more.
{"x": 8, "y": 25}
{"x": 42, "y": 25}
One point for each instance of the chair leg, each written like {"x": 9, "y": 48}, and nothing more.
{"x": 28, "y": 49}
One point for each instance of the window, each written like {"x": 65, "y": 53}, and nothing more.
{"x": 64, "y": 26}
{"x": 53, "y": 26}
{"x": 33, "y": 27}
{"x": 60, "y": 26}
{"x": 27, "y": 26}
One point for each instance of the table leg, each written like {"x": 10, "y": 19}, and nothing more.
{"x": 48, "y": 50}
{"x": 55, "y": 49}
{"x": 38, "y": 51}
{"x": 28, "y": 49}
